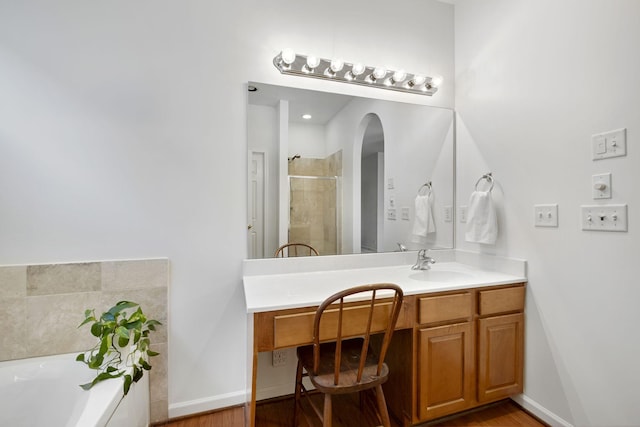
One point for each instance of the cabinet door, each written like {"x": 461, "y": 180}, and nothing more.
{"x": 500, "y": 356}
{"x": 445, "y": 370}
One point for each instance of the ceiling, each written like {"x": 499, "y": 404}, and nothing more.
{"x": 321, "y": 105}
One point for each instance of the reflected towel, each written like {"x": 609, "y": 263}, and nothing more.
{"x": 482, "y": 222}
{"x": 423, "y": 222}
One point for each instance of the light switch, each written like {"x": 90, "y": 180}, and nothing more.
{"x": 447, "y": 212}
{"x": 390, "y": 184}
{"x": 391, "y": 214}
{"x": 609, "y": 144}
{"x": 404, "y": 213}
{"x": 392, "y": 202}
{"x": 603, "y": 217}
{"x": 545, "y": 215}
{"x": 601, "y": 186}
{"x": 462, "y": 214}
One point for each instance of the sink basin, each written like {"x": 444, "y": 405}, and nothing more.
{"x": 439, "y": 276}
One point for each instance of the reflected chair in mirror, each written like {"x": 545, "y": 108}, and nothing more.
{"x": 343, "y": 357}
{"x": 294, "y": 250}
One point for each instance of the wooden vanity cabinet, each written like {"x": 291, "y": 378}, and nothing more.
{"x": 500, "y": 344}
{"x": 445, "y": 365}
{"x": 465, "y": 350}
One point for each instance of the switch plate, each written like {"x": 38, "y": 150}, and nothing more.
{"x": 603, "y": 217}
{"x": 601, "y": 179}
{"x": 392, "y": 202}
{"x": 447, "y": 212}
{"x": 462, "y": 214}
{"x": 404, "y": 213}
{"x": 609, "y": 144}
{"x": 391, "y": 214}
{"x": 390, "y": 184}
{"x": 545, "y": 215}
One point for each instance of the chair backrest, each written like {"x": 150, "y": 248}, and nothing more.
{"x": 376, "y": 310}
{"x": 295, "y": 249}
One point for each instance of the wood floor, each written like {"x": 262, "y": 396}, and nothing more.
{"x": 279, "y": 413}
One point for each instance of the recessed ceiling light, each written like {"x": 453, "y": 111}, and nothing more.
{"x": 306, "y": 116}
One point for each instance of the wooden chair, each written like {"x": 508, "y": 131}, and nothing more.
{"x": 348, "y": 363}
{"x": 295, "y": 249}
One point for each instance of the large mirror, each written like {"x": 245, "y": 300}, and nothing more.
{"x": 347, "y": 174}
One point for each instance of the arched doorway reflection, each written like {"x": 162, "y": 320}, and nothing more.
{"x": 372, "y": 187}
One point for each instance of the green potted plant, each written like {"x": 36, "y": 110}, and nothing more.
{"x": 123, "y": 343}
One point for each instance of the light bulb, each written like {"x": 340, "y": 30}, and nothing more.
{"x": 336, "y": 65}
{"x": 306, "y": 116}
{"x": 357, "y": 69}
{"x": 288, "y": 56}
{"x": 417, "y": 80}
{"x": 436, "y": 81}
{"x": 379, "y": 72}
{"x": 312, "y": 62}
{"x": 399, "y": 76}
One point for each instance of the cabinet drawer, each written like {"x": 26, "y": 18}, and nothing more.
{"x": 501, "y": 300}
{"x": 297, "y": 329}
{"x": 444, "y": 308}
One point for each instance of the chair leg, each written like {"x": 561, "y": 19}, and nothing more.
{"x": 382, "y": 407}
{"x": 326, "y": 415}
{"x": 298, "y": 392}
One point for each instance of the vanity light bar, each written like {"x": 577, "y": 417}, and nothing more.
{"x": 288, "y": 62}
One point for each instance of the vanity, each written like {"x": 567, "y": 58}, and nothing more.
{"x": 459, "y": 339}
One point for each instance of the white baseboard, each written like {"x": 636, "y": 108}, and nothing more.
{"x": 540, "y": 411}
{"x": 210, "y": 403}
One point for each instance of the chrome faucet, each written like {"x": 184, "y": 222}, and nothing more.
{"x": 424, "y": 262}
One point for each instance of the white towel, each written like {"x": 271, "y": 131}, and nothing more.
{"x": 423, "y": 222}
{"x": 482, "y": 223}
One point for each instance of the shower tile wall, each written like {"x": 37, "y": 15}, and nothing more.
{"x": 313, "y": 202}
{"x": 41, "y": 307}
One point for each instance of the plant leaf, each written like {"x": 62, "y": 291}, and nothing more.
{"x": 96, "y": 329}
{"x": 133, "y": 325}
{"x": 80, "y": 357}
{"x": 144, "y": 364}
{"x": 121, "y": 305}
{"x": 152, "y": 353}
{"x": 127, "y": 384}
{"x": 137, "y": 374}
{"x": 122, "y": 332}
{"x": 123, "y": 341}
{"x": 87, "y": 320}
{"x": 101, "y": 377}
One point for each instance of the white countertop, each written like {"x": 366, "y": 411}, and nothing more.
{"x": 267, "y": 292}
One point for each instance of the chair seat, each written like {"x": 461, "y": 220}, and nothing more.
{"x": 323, "y": 380}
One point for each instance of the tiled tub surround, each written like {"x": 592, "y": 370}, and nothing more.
{"x": 41, "y": 307}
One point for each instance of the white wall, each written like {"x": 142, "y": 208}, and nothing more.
{"x": 534, "y": 81}
{"x": 418, "y": 146}
{"x": 263, "y": 137}
{"x": 123, "y": 135}
{"x": 307, "y": 140}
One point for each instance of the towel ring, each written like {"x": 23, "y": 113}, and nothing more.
{"x": 489, "y": 179}
{"x": 426, "y": 185}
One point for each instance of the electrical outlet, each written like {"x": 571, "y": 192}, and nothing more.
{"x": 279, "y": 358}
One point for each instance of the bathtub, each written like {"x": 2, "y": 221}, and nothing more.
{"x": 44, "y": 391}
